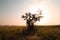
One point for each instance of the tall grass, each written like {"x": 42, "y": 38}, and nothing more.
{"x": 41, "y": 33}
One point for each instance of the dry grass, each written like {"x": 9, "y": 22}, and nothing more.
{"x": 42, "y": 33}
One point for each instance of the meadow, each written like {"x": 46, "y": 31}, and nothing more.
{"x": 51, "y": 32}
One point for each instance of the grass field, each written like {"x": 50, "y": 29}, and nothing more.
{"x": 41, "y": 33}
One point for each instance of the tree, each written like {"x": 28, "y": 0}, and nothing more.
{"x": 30, "y": 20}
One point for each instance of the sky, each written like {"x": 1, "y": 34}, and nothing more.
{"x": 12, "y": 10}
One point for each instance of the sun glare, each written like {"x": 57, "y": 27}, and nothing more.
{"x": 45, "y": 15}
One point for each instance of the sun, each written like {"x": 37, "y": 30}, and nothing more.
{"x": 45, "y": 14}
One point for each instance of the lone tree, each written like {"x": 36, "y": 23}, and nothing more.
{"x": 30, "y": 20}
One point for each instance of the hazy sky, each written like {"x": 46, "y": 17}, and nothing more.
{"x": 11, "y": 11}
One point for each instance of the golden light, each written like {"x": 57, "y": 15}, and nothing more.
{"x": 45, "y": 15}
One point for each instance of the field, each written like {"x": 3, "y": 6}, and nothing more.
{"x": 41, "y": 33}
